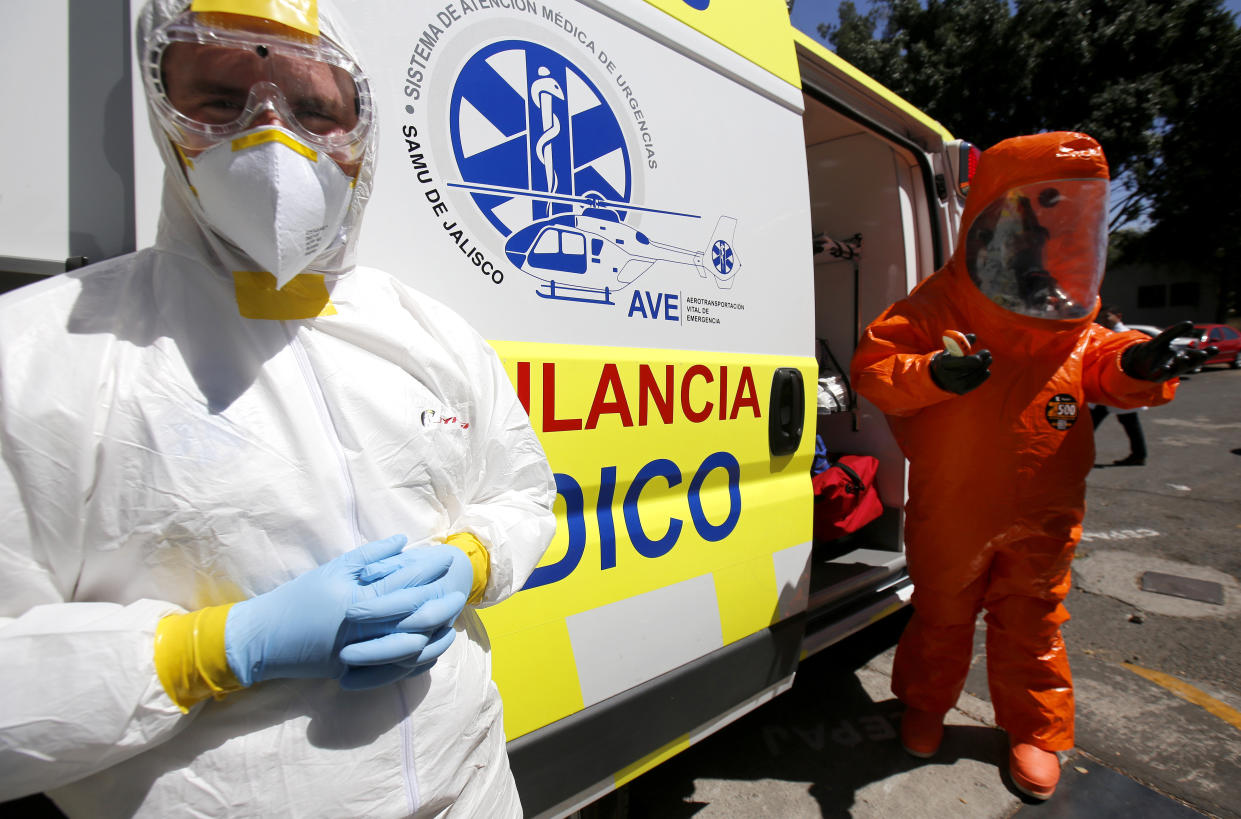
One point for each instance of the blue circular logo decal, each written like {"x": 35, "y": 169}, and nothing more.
{"x": 533, "y": 136}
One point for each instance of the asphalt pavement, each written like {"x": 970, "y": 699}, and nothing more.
{"x": 1156, "y": 606}
{"x": 829, "y": 747}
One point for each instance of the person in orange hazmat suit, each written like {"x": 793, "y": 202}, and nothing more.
{"x": 984, "y": 372}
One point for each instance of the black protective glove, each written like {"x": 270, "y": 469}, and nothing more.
{"x": 1155, "y": 360}
{"x": 960, "y": 374}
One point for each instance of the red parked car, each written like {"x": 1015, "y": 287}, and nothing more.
{"x": 1226, "y": 338}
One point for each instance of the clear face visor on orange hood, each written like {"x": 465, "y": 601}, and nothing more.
{"x": 1039, "y": 250}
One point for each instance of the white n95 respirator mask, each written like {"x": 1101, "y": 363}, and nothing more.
{"x": 278, "y": 200}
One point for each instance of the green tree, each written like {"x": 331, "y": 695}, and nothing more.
{"x": 1152, "y": 80}
{"x": 1194, "y": 186}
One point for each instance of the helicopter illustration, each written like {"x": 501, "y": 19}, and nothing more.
{"x": 588, "y": 256}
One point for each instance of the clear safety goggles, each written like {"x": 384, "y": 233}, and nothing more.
{"x": 1039, "y": 250}
{"x": 211, "y": 77}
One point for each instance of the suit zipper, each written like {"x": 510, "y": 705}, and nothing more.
{"x": 325, "y": 419}
{"x": 315, "y": 388}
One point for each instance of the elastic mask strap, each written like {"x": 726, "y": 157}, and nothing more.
{"x": 189, "y": 163}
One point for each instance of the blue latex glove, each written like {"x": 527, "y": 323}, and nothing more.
{"x": 425, "y": 613}
{"x": 298, "y": 629}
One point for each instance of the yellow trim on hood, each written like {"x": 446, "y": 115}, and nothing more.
{"x": 302, "y": 15}
{"x": 305, "y": 296}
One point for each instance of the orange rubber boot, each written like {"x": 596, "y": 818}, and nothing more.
{"x": 921, "y": 732}
{"x": 1035, "y": 772}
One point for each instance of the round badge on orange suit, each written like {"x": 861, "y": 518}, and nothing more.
{"x": 1062, "y": 411}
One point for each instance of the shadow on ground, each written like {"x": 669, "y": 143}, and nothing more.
{"x": 827, "y": 732}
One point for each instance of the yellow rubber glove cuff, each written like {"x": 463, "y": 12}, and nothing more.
{"x": 479, "y": 559}
{"x": 190, "y": 659}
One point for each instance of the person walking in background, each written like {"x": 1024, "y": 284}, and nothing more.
{"x": 1113, "y": 320}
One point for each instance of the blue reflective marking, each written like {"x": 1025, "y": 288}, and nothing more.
{"x": 707, "y": 530}
{"x": 575, "y": 517}
{"x": 700, "y": 5}
{"x": 575, "y": 514}
{"x": 645, "y": 546}
{"x": 603, "y": 513}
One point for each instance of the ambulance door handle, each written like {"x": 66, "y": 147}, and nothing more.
{"x": 787, "y": 413}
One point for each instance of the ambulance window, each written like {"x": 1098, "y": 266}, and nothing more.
{"x": 596, "y": 247}
{"x": 574, "y": 243}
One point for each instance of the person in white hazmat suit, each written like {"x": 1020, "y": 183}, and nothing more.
{"x": 247, "y": 488}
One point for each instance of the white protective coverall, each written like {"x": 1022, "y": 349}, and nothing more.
{"x": 162, "y": 453}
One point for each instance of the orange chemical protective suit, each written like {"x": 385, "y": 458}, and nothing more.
{"x": 997, "y": 479}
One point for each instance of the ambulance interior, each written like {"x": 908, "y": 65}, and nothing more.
{"x": 869, "y": 211}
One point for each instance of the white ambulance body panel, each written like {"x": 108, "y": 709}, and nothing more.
{"x": 34, "y": 180}
{"x": 720, "y": 208}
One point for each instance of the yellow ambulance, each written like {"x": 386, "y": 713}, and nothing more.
{"x": 655, "y": 210}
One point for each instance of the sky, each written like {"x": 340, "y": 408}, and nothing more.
{"x": 807, "y": 14}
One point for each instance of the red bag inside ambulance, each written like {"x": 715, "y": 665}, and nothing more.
{"x": 845, "y": 498}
